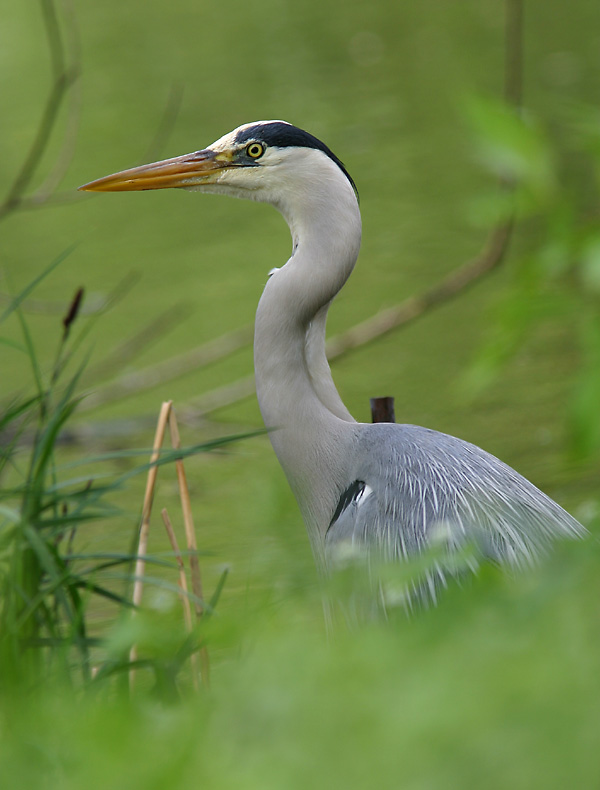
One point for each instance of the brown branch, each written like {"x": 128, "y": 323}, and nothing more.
{"x": 67, "y": 147}
{"x": 219, "y": 398}
{"x": 63, "y": 78}
{"x": 64, "y": 81}
{"x": 166, "y": 124}
{"x": 184, "y": 597}
{"x": 403, "y": 314}
{"x": 190, "y": 534}
{"x": 449, "y": 287}
{"x": 93, "y": 306}
{"x": 414, "y": 307}
{"x": 380, "y": 324}
{"x": 169, "y": 369}
{"x": 124, "y": 352}
{"x": 513, "y": 53}
{"x": 140, "y": 563}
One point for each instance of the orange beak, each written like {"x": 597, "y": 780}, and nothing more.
{"x": 189, "y": 170}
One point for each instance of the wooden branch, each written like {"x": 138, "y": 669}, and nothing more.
{"x": 140, "y": 563}
{"x": 63, "y": 78}
{"x": 166, "y": 124}
{"x": 169, "y": 369}
{"x": 382, "y": 410}
{"x": 513, "y": 52}
{"x": 69, "y": 138}
{"x": 92, "y": 306}
{"x": 414, "y": 307}
{"x": 380, "y": 324}
{"x": 366, "y": 332}
{"x": 185, "y": 601}
{"x": 124, "y": 352}
{"x": 219, "y": 398}
{"x": 190, "y": 534}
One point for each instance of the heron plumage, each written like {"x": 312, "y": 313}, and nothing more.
{"x": 392, "y": 487}
{"x": 425, "y": 491}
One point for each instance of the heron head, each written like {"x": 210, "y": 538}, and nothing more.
{"x": 260, "y": 161}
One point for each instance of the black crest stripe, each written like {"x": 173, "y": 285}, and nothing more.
{"x": 284, "y": 135}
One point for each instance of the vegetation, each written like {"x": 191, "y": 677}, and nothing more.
{"x": 48, "y": 585}
{"x": 496, "y": 686}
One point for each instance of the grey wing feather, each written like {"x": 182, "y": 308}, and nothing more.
{"x": 424, "y": 485}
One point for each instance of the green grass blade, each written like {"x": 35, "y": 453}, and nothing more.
{"x": 20, "y": 298}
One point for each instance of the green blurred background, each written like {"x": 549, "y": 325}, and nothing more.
{"x": 384, "y": 84}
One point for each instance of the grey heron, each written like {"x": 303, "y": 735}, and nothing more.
{"x": 382, "y": 486}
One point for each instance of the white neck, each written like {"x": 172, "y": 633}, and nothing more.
{"x": 297, "y": 397}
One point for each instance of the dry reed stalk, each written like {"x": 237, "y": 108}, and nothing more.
{"x": 140, "y": 563}
{"x": 185, "y": 601}
{"x": 190, "y": 534}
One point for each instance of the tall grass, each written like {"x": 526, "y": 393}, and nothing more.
{"x": 495, "y": 687}
{"x": 47, "y": 586}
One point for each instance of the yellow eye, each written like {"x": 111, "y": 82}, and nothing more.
{"x": 255, "y": 150}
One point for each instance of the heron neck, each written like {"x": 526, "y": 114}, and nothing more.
{"x": 308, "y": 421}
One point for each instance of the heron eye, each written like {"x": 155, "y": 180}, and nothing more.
{"x": 255, "y": 150}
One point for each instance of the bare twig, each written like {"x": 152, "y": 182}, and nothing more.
{"x": 220, "y": 397}
{"x": 382, "y": 410}
{"x": 92, "y": 306}
{"x": 190, "y": 533}
{"x": 165, "y": 127}
{"x": 513, "y": 53}
{"x": 185, "y": 601}
{"x": 140, "y": 564}
{"x": 366, "y": 332}
{"x": 188, "y": 518}
{"x": 449, "y": 287}
{"x": 67, "y": 148}
{"x": 380, "y": 324}
{"x": 122, "y": 354}
{"x": 63, "y": 77}
{"x": 169, "y": 369}
{"x": 414, "y": 307}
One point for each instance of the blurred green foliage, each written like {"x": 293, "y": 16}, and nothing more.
{"x": 47, "y": 585}
{"x": 496, "y": 687}
{"x": 556, "y": 274}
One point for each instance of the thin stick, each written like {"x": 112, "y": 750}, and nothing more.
{"x": 382, "y": 410}
{"x": 140, "y": 563}
{"x": 128, "y": 349}
{"x": 455, "y": 283}
{"x": 185, "y": 601}
{"x": 63, "y": 78}
{"x": 402, "y": 314}
{"x": 166, "y": 124}
{"x": 190, "y": 534}
{"x": 513, "y": 52}
{"x": 169, "y": 369}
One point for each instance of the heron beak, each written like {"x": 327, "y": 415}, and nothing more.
{"x": 202, "y": 167}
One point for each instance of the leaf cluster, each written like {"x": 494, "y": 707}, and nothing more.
{"x": 550, "y": 184}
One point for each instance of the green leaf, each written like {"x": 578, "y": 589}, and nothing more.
{"x": 512, "y": 145}
{"x": 20, "y": 298}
